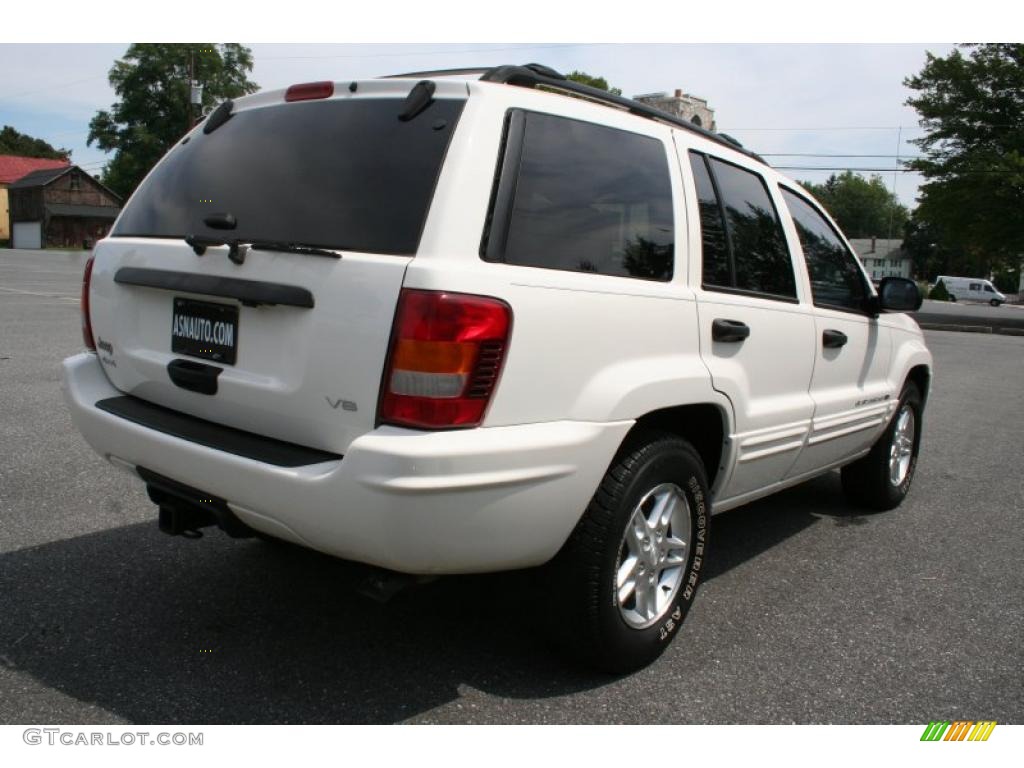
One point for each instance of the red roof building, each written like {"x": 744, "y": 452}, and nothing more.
{"x": 12, "y": 168}
{"x": 60, "y": 208}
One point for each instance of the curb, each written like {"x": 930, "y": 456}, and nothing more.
{"x": 956, "y": 327}
{"x": 960, "y": 328}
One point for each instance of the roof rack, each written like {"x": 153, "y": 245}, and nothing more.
{"x": 441, "y": 73}
{"x": 532, "y": 75}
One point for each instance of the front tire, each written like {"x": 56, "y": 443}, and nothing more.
{"x": 995, "y": 302}
{"x": 881, "y": 480}
{"x": 624, "y": 581}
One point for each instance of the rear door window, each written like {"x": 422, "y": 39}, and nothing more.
{"x": 743, "y": 243}
{"x": 581, "y": 197}
{"x": 718, "y": 269}
{"x": 343, "y": 174}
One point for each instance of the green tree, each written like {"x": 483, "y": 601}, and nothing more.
{"x": 593, "y": 82}
{"x": 931, "y": 254}
{"x": 972, "y": 109}
{"x": 152, "y": 84}
{"x": 14, "y": 142}
{"x": 862, "y": 207}
{"x": 939, "y": 292}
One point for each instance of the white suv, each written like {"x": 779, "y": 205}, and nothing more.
{"x": 453, "y": 322}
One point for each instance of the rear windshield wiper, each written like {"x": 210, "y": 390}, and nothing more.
{"x": 199, "y": 244}
{"x": 238, "y": 248}
{"x": 309, "y": 250}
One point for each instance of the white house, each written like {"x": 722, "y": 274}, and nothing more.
{"x": 883, "y": 257}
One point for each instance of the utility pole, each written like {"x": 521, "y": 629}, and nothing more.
{"x": 895, "y": 200}
{"x": 191, "y": 85}
{"x": 195, "y": 92}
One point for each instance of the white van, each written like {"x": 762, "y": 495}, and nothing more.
{"x": 971, "y": 289}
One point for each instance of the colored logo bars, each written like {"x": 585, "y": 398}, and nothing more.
{"x": 959, "y": 730}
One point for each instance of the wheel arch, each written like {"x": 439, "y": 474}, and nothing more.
{"x": 911, "y": 361}
{"x": 921, "y": 375}
{"x": 704, "y": 425}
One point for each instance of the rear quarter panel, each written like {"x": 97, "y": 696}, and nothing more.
{"x": 583, "y": 346}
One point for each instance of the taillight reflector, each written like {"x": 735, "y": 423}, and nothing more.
{"x": 304, "y": 91}
{"x": 86, "y": 321}
{"x": 445, "y": 358}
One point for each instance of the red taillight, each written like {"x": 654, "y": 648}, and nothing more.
{"x": 86, "y": 322}
{"x": 445, "y": 358}
{"x": 304, "y": 91}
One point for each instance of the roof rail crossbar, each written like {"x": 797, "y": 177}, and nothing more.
{"x": 440, "y": 73}
{"x": 532, "y": 75}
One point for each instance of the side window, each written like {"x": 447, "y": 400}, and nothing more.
{"x": 582, "y": 197}
{"x": 717, "y": 263}
{"x": 974, "y": 287}
{"x": 836, "y": 280}
{"x": 744, "y": 247}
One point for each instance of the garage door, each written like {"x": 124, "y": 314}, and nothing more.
{"x": 28, "y": 234}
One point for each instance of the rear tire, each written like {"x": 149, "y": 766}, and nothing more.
{"x": 881, "y": 480}
{"x": 625, "y": 579}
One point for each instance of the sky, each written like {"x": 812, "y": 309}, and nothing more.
{"x": 800, "y": 99}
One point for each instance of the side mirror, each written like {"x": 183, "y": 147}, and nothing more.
{"x": 898, "y": 294}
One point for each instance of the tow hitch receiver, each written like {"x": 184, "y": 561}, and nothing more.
{"x": 184, "y": 510}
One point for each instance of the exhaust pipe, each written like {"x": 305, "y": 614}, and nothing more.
{"x": 184, "y": 511}
{"x": 381, "y": 585}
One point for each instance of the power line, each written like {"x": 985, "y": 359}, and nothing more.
{"x": 836, "y": 155}
{"x": 424, "y": 53}
{"x": 51, "y": 87}
{"x": 331, "y": 56}
{"x": 833, "y": 128}
{"x": 882, "y": 170}
{"x": 841, "y": 168}
{"x": 732, "y": 129}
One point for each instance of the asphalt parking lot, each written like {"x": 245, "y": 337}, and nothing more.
{"x": 811, "y": 611}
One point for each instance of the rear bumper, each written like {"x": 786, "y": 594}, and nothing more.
{"x": 418, "y": 502}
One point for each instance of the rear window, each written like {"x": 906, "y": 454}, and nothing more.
{"x": 583, "y": 198}
{"x": 336, "y": 174}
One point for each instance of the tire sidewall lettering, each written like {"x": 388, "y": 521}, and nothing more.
{"x": 904, "y": 488}
{"x": 692, "y": 579}
{"x": 625, "y": 646}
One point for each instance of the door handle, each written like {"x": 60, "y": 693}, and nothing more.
{"x": 729, "y": 330}
{"x": 831, "y": 338}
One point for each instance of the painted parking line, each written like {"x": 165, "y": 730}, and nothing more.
{"x": 44, "y": 295}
